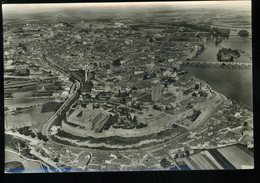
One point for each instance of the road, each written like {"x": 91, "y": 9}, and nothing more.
{"x": 48, "y": 123}
{"x": 211, "y": 108}
{"x": 17, "y": 77}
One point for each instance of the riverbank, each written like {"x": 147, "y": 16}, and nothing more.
{"x": 30, "y": 166}
{"x": 235, "y": 84}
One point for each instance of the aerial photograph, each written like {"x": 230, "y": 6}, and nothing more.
{"x": 140, "y": 86}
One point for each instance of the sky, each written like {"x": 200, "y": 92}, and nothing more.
{"x": 32, "y": 8}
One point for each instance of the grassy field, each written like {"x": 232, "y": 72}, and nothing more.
{"x": 29, "y": 166}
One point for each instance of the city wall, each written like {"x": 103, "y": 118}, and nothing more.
{"x": 111, "y": 132}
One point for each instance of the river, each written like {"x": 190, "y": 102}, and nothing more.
{"x": 236, "y": 84}
{"x": 243, "y": 45}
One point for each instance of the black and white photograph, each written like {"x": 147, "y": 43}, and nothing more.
{"x": 128, "y": 86}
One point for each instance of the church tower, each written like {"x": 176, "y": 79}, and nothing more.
{"x": 87, "y": 70}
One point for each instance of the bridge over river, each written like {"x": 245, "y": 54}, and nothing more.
{"x": 227, "y": 65}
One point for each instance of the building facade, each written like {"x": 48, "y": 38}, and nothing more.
{"x": 156, "y": 92}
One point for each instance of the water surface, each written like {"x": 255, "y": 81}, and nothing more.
{"x": 236, "y": 84}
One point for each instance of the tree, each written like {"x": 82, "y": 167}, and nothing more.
{"x": 22, "y": 144}
{"x": 165, "y": 163}
{"x": 117, "y": 62}
{"x": 194, "y": 94}
{"x": 56, "y": 159}
{"x": 19, "y": 108}
{"x": 134, "y": 120}
{"x": 32, "y": 134}
{"x": 134, "y": 88}
{"x": 243, "y": 33}
{"x": 40, "y": 135}
{"x": 45, "y": 139}
{"x": 24, "y": 130}
{"x": 20, "y": 130}
{"x": 123, "y": 100}
{"x": 187, "y": 153}
{"x": 155, "y": 107}
{"x": 141, "y": 125}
